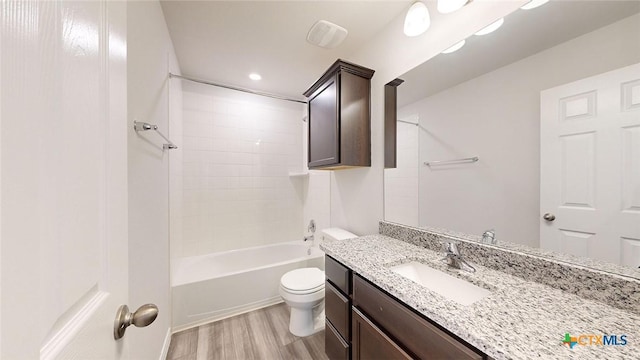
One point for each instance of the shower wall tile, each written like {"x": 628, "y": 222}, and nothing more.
{"x": 236, "y": 155}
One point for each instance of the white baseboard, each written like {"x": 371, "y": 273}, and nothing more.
{"x": 165, "y": 346}
{"x": 227, "y": 313}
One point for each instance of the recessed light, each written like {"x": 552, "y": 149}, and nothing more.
{"x": 255, "y": 77}
{"x": 417, "y": 19}
{"x": 455, "y": 47}
{"x": 533, "y": 4}
{"x": 491, "y": 28}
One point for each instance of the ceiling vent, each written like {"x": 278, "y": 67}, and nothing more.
{"x": 326, "y": 34}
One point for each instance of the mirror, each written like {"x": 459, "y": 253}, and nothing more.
{"x": 484, "y": 101}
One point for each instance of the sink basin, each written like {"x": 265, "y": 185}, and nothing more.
{"x": 451, "y": 287}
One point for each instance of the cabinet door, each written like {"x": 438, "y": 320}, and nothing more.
{"x": 416, "y": 334}
{"x": 324, "y": 135}
{"x": 370, "y": 343}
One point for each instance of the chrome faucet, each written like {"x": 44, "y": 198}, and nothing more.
{"x": 454, "y": 258}
{"x": 312, "y": 229}
{"x": 489, "y": 237}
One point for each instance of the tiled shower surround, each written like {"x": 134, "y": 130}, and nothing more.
{"x": 589, "y": 279}
{"x": 237, "y": 153}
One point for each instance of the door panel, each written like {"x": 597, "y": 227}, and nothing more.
{"x": 590, "y": 167}
{"x": 578, "y": 170}
{"x": 64, "y": 199}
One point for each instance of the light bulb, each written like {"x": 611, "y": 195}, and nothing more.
{"x": 455, "y": 47}
{"x": 491, "y": 27}
{"x": 417, "y": 20}
{"x": 449, "y": 6}
{"x": 533, "y": 4}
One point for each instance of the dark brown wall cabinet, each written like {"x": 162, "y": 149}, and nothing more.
{"x": 339, "y": 116}
{"x": 391, "y": 123}
{"x": 381, "y": 327}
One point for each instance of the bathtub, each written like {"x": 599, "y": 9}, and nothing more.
{"x": 211, "y": 287}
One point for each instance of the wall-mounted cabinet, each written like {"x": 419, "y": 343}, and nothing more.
{"x": 391, "y": 123}
{"x": 339, "y": 116}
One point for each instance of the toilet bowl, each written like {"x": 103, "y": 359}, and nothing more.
{"x": 303, "y": 290}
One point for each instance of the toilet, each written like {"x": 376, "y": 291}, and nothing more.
{"x": 303, "y": 290}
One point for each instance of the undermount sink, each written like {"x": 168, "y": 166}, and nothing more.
{"x": 451, "y": 287}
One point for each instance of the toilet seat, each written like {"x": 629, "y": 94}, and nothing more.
{"x": 303, "y": 281}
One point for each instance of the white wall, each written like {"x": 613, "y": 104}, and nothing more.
{"x": 238, "y": 151}
{"x": 401, "y": 184}
{"x": 150, "y": 96}
{"x": 496, "y": 117}
{"x": 357, "y": 195}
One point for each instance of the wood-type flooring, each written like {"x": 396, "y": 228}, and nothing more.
{"x": 260, "y": 334}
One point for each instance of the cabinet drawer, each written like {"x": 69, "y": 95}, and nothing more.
{"x": 369, "y": 342}
{"x": 338, "y": 275}
{"x": 337, "y": 307}
{"x": 420, "y": 337}
{"x": 334, "y": 346}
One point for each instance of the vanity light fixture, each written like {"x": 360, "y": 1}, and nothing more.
{"x": 533, "y": 4}
{"x": 255, "y": 77}
{"x": 455, "y": 47}
{"x": 417, "y": 20}
{"x": 491, "y": 27}
{"x": 449, "y": 6}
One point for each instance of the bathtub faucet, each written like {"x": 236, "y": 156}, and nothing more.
{"x": 310, "y": 237}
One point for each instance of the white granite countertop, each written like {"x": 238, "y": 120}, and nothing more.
{"x": 519, "y": 320}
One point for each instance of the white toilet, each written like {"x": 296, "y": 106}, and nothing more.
{"x": 303, "y": 290}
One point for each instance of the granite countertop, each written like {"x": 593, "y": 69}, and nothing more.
{"x": 519, "y": 320}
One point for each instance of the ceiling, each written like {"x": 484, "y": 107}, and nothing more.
{"x": 224, "y": 41}
{"x": 524, "y": 33}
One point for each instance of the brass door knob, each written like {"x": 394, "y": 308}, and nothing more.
{"x": 549, "y": 217}
{"x": 142, "y": 317}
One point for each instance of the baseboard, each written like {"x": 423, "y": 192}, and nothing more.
{"x": 230, "y": 313}
{"x": 165, "y": 346}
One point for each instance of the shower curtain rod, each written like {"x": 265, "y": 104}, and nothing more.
{"x": 279, "y": 97}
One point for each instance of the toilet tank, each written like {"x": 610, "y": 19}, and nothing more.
{"x": 332, "y": 234}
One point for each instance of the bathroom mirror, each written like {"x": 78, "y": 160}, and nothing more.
{"x": 484, "y": 101}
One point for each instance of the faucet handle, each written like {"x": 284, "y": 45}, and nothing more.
{"x": 451, "y": 247}
{"x": 312, "y": 226}
{"x": 489, "y": 236}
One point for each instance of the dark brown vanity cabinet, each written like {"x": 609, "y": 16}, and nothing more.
{"x": 337, "y": 308}
{"x": 381, "y": 327}
{"x": 369, "y": 342}
{"x": 339, "y": 117}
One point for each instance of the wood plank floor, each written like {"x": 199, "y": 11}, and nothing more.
{"x": 260, "y": 334}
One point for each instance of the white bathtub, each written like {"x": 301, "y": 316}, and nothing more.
{"x": 214, "y": 286}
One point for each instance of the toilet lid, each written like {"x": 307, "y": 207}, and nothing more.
{"x": 307, "y": 279}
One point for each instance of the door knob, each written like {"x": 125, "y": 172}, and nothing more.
{"x": 142, "y": 317}
{"x": 549, "y": 217}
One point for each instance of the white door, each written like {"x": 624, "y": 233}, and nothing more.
{"x": 590, "y": 167}
{"x": 63, "y": 178}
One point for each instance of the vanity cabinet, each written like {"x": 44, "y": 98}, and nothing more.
{"x": 339, "y": 118}
{"x": 337, "y": 308}
{"x": 369, "y": 342}
{"x": 418, "y": 336}
{"x": 381, "y": 327}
